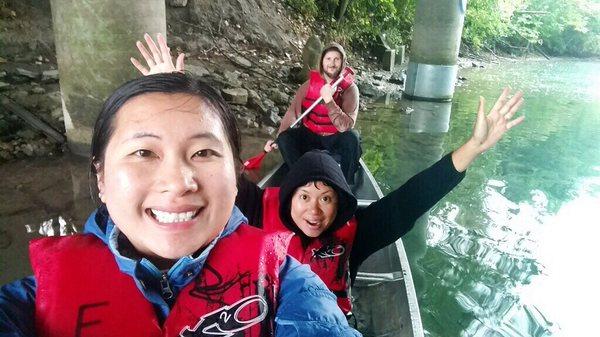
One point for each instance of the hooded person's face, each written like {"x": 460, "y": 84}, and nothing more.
{"x": 332, "y": 64}
{"x": 314, "y": 207}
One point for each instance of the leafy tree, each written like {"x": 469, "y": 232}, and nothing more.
{"x": 567, "y": 27}
{"x": 360, "y": 22}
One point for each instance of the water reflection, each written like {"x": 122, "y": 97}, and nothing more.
{"x": 512, "y": 250}
{"x": 60, "y": 227}
{"x": 428, "y": 117}
{"x": 40, "y": 197}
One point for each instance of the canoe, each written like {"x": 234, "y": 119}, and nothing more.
{"x": 384, "y": 297}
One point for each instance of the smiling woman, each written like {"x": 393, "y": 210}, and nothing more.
{"x": 158, "y": 182}
{"x": 167, "y": 253}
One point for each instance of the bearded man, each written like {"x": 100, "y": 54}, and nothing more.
{"x": 329, "y": 126}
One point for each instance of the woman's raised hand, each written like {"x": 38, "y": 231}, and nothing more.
{"x": 159, "y": 58}
{"x": 490, "y": 128}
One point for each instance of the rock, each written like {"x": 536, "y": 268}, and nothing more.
{"x": 19, "y": 95}
{"x": 4, "y": 155}
{"x": 30, "y": 102}
{"x": 197, "y": 70}
{"x": 28, "y": 150}
{"x": 260, "y": 107}
{"x": 6, "y": 147}
{"x": 42, "y": 149}
{"x": 397, "y": 78}
{"x": 378, "y": 76}
{"x": 232, "y": 78}
{"x": 235, "y": 95}
{"x": 270, "y": 104}
{"x": 4, "y": 86}
{"x": 244, "y": 121}
{"x": 5, "y": 130}
{"x": 177, "y": 3}
{"x": 50, "y": 75}
{"x": 57, "y": 114}
{"x": 53, "y": 98}
{"x": 279, "y": 97}
{"x": 37, "y": 90}
{"x": 27, "y": 73}
{"x": 242, "y": 61}
{"x": 284, "y": 71}
{"x": 255, "y": 102}
{"x": 270, "y": 130}
{"x": 462, "y": 78}
{"x": 368, "y": 89}
{"x": 272, "y": 119}
{"x": 2, "y": 74}
{"x": 27, "y": 134}
{"x": 296, "y": 75}
{"x": 253, "y": 96}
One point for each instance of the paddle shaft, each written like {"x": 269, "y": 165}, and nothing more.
{"x": 312, "y": 106}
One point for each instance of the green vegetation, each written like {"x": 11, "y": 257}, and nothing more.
{"x": 561, "y": 28}
{"x": 568, "y": 27}
{"x": 359, "y": 22}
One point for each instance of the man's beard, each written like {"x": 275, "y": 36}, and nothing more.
{"x": 334, "y": 75}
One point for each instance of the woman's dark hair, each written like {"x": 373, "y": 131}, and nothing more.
{"x": 171, "y": 83}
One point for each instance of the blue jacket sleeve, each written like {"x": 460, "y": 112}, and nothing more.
{"x": 306, "y": 306}
{"x": 17, "y": 308}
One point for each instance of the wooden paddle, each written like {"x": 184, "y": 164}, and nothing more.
{"x": 255, "y": 162}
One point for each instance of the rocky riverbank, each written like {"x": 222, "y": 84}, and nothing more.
{"x": 256, "y": 75}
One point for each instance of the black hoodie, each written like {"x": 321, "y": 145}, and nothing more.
{"x": 316, "y": 165}
{"x": 378, "y": 225}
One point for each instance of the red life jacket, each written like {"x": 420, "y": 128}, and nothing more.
{"x": 326, "y": 255}
{"x": 318, "y": 120}
{"x": 82, "y": 292}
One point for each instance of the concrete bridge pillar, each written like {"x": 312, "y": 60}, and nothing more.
{"x": 94, "y": 41}
{"x": 432, "y": 67}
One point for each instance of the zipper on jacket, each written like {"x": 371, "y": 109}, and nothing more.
{"x": 167, "y": 293}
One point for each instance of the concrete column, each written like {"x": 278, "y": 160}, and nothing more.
{"x": 432, "y": 69}
{"x": 94, "y": 41}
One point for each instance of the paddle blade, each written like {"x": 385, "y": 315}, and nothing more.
{"x": 348, "y": 77}
{"x": 254, "y": 162}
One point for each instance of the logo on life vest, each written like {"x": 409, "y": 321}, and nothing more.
{"x": 328, "y": 251}
{"x": 226, "y": 321}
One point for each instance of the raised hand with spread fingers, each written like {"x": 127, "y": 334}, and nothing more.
{"x": 158, "y": 58}
{"x": 490, "y": 128}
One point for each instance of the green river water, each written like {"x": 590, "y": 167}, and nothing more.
{"x": 512, "y": 250}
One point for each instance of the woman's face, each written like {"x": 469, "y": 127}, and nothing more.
{"x": 168, "y": 177}
{"x": 314, "y": 207}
